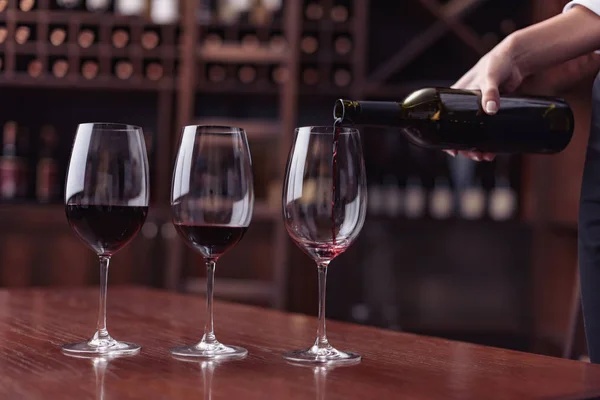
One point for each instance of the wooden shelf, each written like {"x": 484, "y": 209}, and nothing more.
{"x": 255, "y": 129}
{"x": 236, "y": 54}
{"x": 236, "y": 87}
{"x": 80, "y": 17}
{"x": 233, "y": 289}
{"x": 329, "y": 26}
{"x": 78, "y": 82}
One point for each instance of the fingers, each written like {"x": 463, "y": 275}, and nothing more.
{"x": 473, "y": 155}
{"x": 490, "y": 98}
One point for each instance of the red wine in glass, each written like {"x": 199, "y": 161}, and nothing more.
{"x": 212, "y": 241}
{"x": 106, "y": 229}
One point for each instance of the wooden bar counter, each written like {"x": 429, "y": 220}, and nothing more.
{"x": 34, "y": 323}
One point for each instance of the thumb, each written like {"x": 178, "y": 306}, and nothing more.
{"x": 490, "y": 98}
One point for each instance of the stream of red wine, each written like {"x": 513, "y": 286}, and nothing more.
{"x": 334, "y": 176}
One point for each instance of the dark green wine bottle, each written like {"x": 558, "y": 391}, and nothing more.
{"x": 452, "y": 119}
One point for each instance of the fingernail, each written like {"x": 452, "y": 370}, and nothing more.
{"x": 491, "y": 107}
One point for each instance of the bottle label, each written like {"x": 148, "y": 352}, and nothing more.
{"x": 13, "y": 178}
{"x": 47, "y": 179}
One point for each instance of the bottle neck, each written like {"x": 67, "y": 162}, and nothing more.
{"x": 368, "y": 113}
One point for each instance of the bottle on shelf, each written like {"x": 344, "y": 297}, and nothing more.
{"x": 123, "y": 70}
{"x": 247, "y": 74}
{"x": 26, "y": 5}
{"x": 339, "y": 13}
{"x": 503, "y": 200}
{"x": 90, "y": 69}
{"x": 280, "y": 75}
{"x": 260, "y": 15}
{"x": 35, "y": 68}
{"x": 164, "y": 12}
{"x": 98, "y": 5}
{"x": 393, "y": 196}
{"x": 342, "y": 45}
{"x": 150, "y": 40}
{"x": 213, "y": 40}
{"x": 415, "y": 198}
{"x": 375, "y": 199}
{"x": 13, "y": 163}
{"x": 342, "y": 77}
{"x": 442, "y": 118}
{"x": 313, "y": 12}
{"x": 130, "y": 7}
{"x": 250, "y": 42}
{"x": 86, "y": 38}
{"x": 309, "y": 44}
{"x": 441, "y": 203}
{"x": 60, "y": 68}
{"x": 216, "y": 73}
{"x": 120, "y": 38}
{"x": 154, "y": 71}
{"x": 278, "y": 43}
{"x": 58, "y": 36}
{"x": 3, "y": 34}
{"x": 22, "y": 34}
{"x": 47, "y": 188}
{"x": 310, "y": 76}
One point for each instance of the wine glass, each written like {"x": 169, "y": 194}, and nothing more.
{"x": 106, "y": 199}
{"x": 324, "y": 205}
{"x": 212, "y": 200}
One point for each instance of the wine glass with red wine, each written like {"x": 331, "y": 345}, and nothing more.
{"x": 324, "y": 207}
{"x": 212, "y": 201}
{"x": 106, "y": 198}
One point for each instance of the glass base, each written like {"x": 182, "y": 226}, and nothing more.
{"x": 101, "y": 348}
{"x": 322, "y": 355}
{"x": 213, "y": 351}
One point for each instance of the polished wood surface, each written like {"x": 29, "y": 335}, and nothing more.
{"x": 34, "y": 323}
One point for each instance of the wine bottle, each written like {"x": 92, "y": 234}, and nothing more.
{"x": 342, "y": 45}
{"x": 472, "y": 201}
{"x": 26, "y": 5}
{"x": 394, "y": 196}
{"x": 60, "y": 68}
{"x": 213, "y": 40}
{"x": 216, "y": 73}
{"x": 22, "y": 34}
{"x": 35, "y": 68}
{"x": 47, "y": 186}
{"x": 280, "y": 75}
{"x": 441, "y": 202}
{"x": 250, "y": 42}
{"x": 415, "y": 198}
{"x": 164, "y": 12}
{"x": 342, "y": 77}
{"x": 442, "y": 118}
{"x": 90, "y": 69}
{"x": 503, "y": 201}
{"x": 309, "y": 44}
{"x": 154, "y": 71}
{"x": 120, "y": 38}
{"x": 339, "y": 14}
{"x": 314, "y": 11}
{"x": 123, "y": 70}
{"x": 97, "y": 5}
{"x": 58, "y": 36}
{"x": 247, "y": 74}
{"x": 150, "y": 40}
{"x": 130, "y": 7}
{"x": 13, "y": 166}
{"x": 86, "y": 38}
{"x": 277, "y": 43}
{"x": 310, "y": 76}
{"x": 3, "y": 34}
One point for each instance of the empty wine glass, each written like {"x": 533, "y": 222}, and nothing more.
{"x": 324, "y": 204}
{"x": 106, "y": 199}
{"x": 212, "y": 201}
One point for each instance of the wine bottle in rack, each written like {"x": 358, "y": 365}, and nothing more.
{"x": 22, "y": 34}
{"x": 13, "y": 165}
{"x": 250, "y": 42}
{"x": 247, "y": 74}
{"x": 277, "y": 43}
{"x": 97, "y": 5}
{"x": 393, "y": 196}
{"x": 376, "y": 199}
{"x": 123, "y": 70}
{"x": 3, "y": 34}
{"x": 47, "y": 188}
{"x": 339, "y": 13}
{"x": 150, "y": 40}
{"x": 58, "y": 36}
{"x": 35, "y": 68}
{"x": 441, "y": 203}
{"x": 314, "y": 11}
{"x": 60, "y": 68}
{"x": 414, "y": 198}
{"x": 26, "y": 5}
{"x": 216, "y": 73}
{"x": 471, "y": 193}
{"x": 213, "y": 40}
{"x": 309, "y": 44}
{"x": 342, "y": 77}
{"x": 310, "y": 76}
{"x": 86, "y": 38}
{"x": 280, "y": 75}
{"x": 503, "y": 200}
{"x": 90, "y": 69}
{"x": 120, "y": 38}
{"x": 154, "y": 71}
{"x": 342, "y": 45}
{"x": 164, "y": 12}
{"x": 260, "y": 15}
{"x": 130, "y": 7}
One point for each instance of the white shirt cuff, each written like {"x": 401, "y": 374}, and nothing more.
{"x": 592, "y": 5}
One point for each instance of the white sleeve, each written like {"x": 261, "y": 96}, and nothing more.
{"x": 592, "y": 5}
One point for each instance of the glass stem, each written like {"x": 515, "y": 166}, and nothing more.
{"x": 321, "y": 331}
{"x": 209, "y": 330}
{"x": 101, "y": 331}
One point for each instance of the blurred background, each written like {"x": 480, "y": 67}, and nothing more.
{"x": 482, "y": 252}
